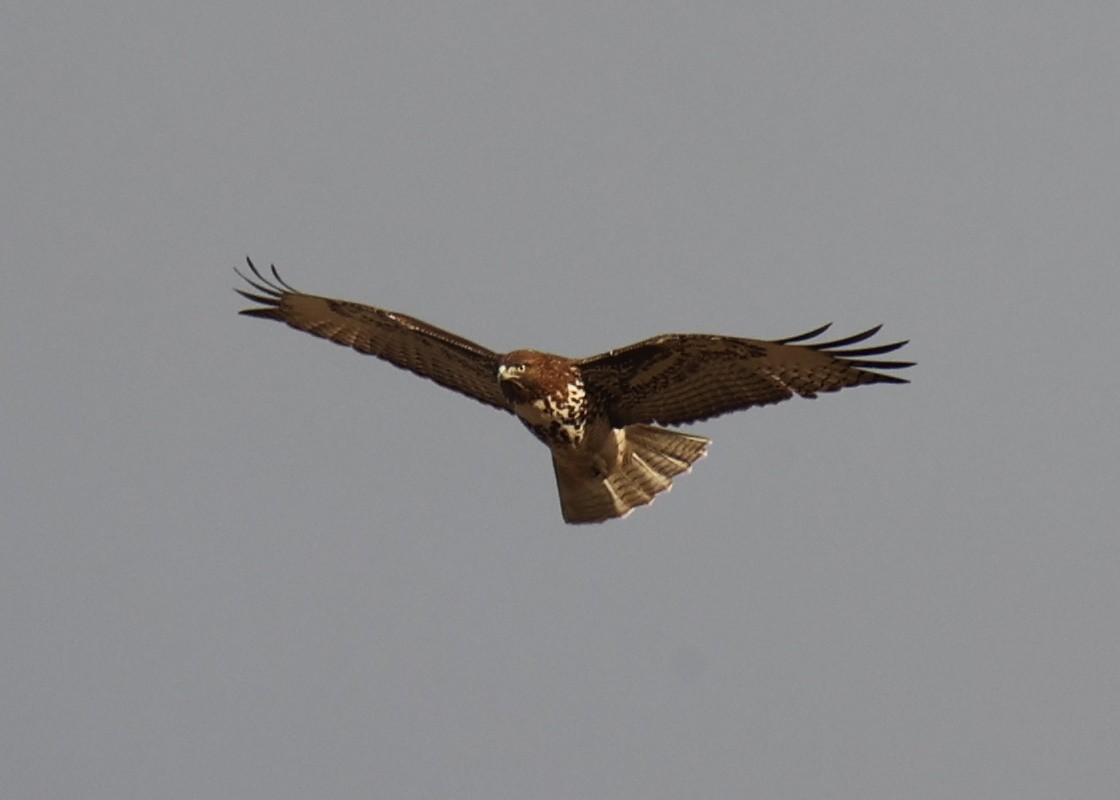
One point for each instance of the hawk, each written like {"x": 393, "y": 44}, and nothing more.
{"x": 599, "y": 416}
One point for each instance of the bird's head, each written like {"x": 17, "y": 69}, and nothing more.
{"x": 526, "y": 375}
{"x": 516, "y": 375}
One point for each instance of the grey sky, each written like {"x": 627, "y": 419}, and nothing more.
{"x": 237, "y": 561}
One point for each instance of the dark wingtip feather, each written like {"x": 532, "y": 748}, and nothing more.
{"x": 882, "y": 364}
{"x": 855, "y": 338}
{"x": 257, "y": 298}
{"x": 870, "y": 351}
{"x": 270, "y": 292}
{"x": 879, "y": 378}
{"x": 281, "y": 281}
{"x": 855, "y": 357}
{"x": 270, "y": 312}
{"x": 803, "y": 336}
{"x": 275, "y": 283}
{"x": 260, "y": 286}
{"x": 253, "y": 267}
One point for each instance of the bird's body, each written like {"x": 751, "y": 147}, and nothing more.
{"x": 601, "y": 471}
{"x": 595, "y": 414}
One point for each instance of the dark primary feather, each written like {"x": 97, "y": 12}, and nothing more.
{"x": 677, "y": 378}
{"x": 450, "y": 360}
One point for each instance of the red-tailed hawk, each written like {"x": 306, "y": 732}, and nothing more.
{"x": 597, "y": 415}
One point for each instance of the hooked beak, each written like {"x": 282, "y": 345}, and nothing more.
{"x": 510, "y": 381}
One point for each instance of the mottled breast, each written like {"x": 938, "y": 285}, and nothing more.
{"x": 548, "y": 395}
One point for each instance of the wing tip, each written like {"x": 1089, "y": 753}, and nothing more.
{"x": 262, "y": 283}
{"x": 878, "y": 377}
{"x": 855, "y": 357}
{"x": 266, "y": 312}
{"x": 801, "y": 337}
{"x": 271, "y": 291}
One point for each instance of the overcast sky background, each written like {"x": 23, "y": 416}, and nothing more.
{"x": 238, "y": 561}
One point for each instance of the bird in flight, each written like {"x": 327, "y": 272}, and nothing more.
{"x": 599, "y": 416}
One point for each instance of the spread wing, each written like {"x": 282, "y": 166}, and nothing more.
{"x": 677, "y": 378}
{"x": 409, "y": 343}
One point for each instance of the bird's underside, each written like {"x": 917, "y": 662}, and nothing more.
{"x": 600, "y": 416}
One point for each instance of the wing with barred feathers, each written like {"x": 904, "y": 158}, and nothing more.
{"x": 409, "y": 343}
{"x": 678, "y": 378}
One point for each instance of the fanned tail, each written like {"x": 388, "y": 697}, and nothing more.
{"x": 648, "y": 459}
